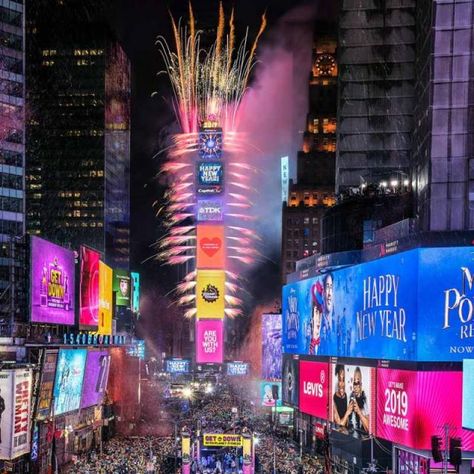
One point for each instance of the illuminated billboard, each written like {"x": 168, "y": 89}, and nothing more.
{"x": 290, "y": 380}
{"x": 69, "y": 378}
{"x": 95, "y": 379}
{"x": 237, "y": 368}
{"x": 415, "y": 305}
{"x": 52, "y": 283}
{"x": 210, "y": 291}
{"x": 106, "y": 276}
{"x": 15, "y": 398}
{"x": 270, "y": 394}
{"x": 468, "y": 394}
{"x": 210, "y": 178}
{"x": 210, "y": 143}
{"x": 209, "y": 341}
{"x": 210, "y": 248}
{"x": 209, "y": 210}
{"x": 177, "y": 365}
{"x": 271, "y": 346}
{"x": 47, "y": 384}
{"x": 122, "y": 288}
{"x": 314, "y": 388}
{"x": 89, "y": 288}
{"x": 352, "y": 398}
{"x": 135, "y": 292}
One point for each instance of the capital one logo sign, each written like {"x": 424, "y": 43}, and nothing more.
{"x": 314, "y": 388}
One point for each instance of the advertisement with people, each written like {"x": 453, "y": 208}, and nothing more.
{"x": 52, "y": 283}
{"x": 210, "y": 292}
{"x": 209, "y": 341}
{"x": 271, "y": 346}
{"x": 314, "y": 388}
{"x": 89, "y": 288}
{"x": 95, "y": 379}
{"x": 352, "y": 398}
{"x": 290, "y": 379}
{"x": 69, "y": 378}
{"x": 15, "y": 409}
{"x": 270, "y": 394}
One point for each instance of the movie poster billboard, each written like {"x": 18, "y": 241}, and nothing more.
{"x": 47, "y": 384}
{"x": 210, "y": 291}
{"x": 51, "y": 283}
{"x": 95, "y": 379}
{"x": 89, "y": 288}
{"x": 468, "y": 394}
{"x": 15, "y": 399}
{"x": 122, "y": 287}
{"x": 314, "y": 388}
{"x": 270, "y": 394}
{"x": 352, "y": 398}
{"x": 135, "y": 292}
{"x": 209, "y": 210}
{"x": 68, "y": 381}
{"x": 209, "y": 341}
{"x": 290, "y": 380}
{"x": 271, "y": 346}
{"x": 210, "y": 249}
{"x": 106, "y": 276}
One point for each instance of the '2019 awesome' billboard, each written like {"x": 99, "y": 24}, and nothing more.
{"x": 416, "y": 305}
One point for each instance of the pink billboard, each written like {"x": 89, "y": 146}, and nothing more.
{"x": 314, "y": 388}
{"x": 413, "y": 406}
{"x": 209, "y": 341}
{"x": 89, "y": 289}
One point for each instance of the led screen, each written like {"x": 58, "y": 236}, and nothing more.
{"x": 47, "y": 384}
{"x": 96, "y": 375}
{"x": 209, "y": 210}
{"x": 237, "y": 368}
{"x": 210, "y": 247}
{"x": 468, "y": 394}
{"x": 210, "y": 143}
{"x": 209, "y": 341}
{"x": 89, "y": 288}
{"x": 210, "y": 178}
{"x": 290, "y": 380}
{"x": 352, "y": 398}
{"x": 122, "y": 287}
{"x": 177, "y": 366}
{"x": 271, "y": 346}
{"x": 210, "y": 291}
{"x": 52, "y": 283}
{"x": 135, "y": 292}
{"x": 69, "y": 378}
{"x": 314, "y": 388}
{"x": 106, "y": 276}
{"x": 270, "y": 394}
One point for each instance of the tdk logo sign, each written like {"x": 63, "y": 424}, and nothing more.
{"x": 315, "y": 389}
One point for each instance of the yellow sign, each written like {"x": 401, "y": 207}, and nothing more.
{"x": 106, "y": 276}
{"x": 247, "y": 450}
{"x": 220, "y": 439}
{"x": 210, "y": 291}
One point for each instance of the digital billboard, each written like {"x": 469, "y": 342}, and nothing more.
{"x": 210, "y": 249}
{"x": 135, "y": 292}
{"x": 47, "y": 384}
{"x": 89, "y": 288}
{"x": 68, "y": 382}
{"x": 51, "y": 283}
{"x": 15, "y": 399}
{"x": 209, "y": 341}
{"x": 209, "y": 210}
{"x": 210, "y": 178}
{"x": 314, "y": 388}
{"x": 270, "y": 394}
{"x": 210, "y": 291}
{"x": 122, "y": 287}
{"x": 106, "y": 276}
{"x": 290, "y": 380}
{"x": 210, "y": 143}
{"x": 237, "y": 368}
{"x": 95, "y": 379}
{"x": 352, "y": 398}
{"x": 177, "y": 366}
{"x": 271, "y": 346}
{"x": 468, "y": 394}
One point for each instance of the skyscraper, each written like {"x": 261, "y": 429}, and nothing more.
{"x": 78, "y": 132}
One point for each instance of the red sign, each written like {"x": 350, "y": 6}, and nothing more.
{"x": 319, "y": 430}
{"x": 314, "y": 388}
{"x": 210, "y": 246}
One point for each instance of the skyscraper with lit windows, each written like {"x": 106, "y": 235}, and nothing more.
{"x": 78, "y": 130}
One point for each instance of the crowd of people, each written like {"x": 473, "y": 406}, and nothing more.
{"x": 224, "y": 411}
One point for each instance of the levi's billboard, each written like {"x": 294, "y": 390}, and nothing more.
{"x": 415, "y": 305}
{"x": 314, "y": 388}
{"x": 210, "y": 247}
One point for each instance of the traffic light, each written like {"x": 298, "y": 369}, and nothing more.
{"x": 455, "y": 453}
{"x": 436, "y": 448}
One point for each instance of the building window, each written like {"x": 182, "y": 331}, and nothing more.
{"x": 329, "y": 125}
{"x": 315, "y": 220}
{"x": 306, "y": 220}
{"x": 316, "y": 125}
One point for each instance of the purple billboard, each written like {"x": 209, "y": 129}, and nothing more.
{"x": 95, "y": 378}
{"x": 51, "y": 283}
{"x": 271, "y": 346}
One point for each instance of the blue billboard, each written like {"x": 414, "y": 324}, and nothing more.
{"x": 210, "y": 178}
{"x": 69, "y": 377}
{"x": 177, "y": 366}
{"x": 415, "y": 305}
